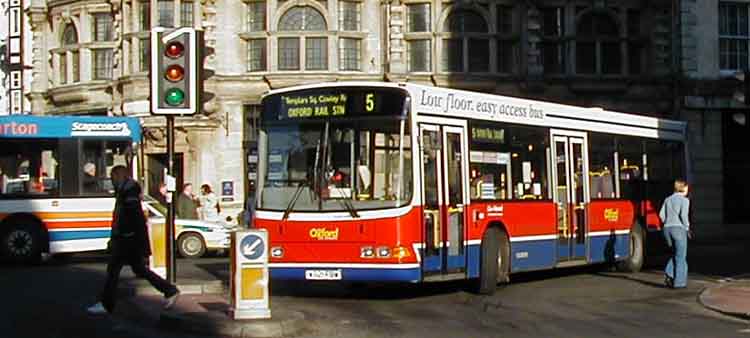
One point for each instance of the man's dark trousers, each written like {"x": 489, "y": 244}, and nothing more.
{"x": 139, "y": 266}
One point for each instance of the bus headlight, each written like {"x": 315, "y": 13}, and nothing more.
{"x": 384, "y": 252}
{"x": 277, "y": 252}
{"x": 366, "y": 252}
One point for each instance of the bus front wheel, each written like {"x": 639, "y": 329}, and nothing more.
{"x": 634, "y": 261}
{"x": 494, "y": 261}
{"x": 22, "y": 242}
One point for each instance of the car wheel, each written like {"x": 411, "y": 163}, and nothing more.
{"x": 191, "y": 245}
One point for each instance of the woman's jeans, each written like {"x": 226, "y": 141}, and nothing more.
{"x": 677, "y": 267}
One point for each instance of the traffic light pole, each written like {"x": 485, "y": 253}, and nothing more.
{"x": 171, "y": 266}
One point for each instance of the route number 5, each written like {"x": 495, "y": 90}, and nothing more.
{"x": 369, "y": 102}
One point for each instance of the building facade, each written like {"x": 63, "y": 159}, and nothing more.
{"x": 15, "y": 57}
{"x": 714, "y": 36}
{"x": 91, "y": 57}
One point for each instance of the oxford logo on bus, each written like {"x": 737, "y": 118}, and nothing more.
{"x": 495, "y": 210}
{"x": 99, "y": 129}
{"x": 612, "y": 214}
{"x": 323, "y": 234}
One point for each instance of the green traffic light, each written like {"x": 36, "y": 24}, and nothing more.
{"x": 174, "y": 97}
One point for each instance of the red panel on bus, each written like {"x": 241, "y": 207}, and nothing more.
{"x": 605, "y": 215}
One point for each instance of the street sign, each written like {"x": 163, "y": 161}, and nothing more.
{"x": 249, "y": 281}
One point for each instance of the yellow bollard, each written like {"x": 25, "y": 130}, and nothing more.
{"x": 249, "y": 275}
{"x": 158, "y": 260}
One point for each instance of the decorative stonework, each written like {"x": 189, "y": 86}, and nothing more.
{"x": 397, "y": 45}
{"x": 688, "y": 37}
{"x": 209, "y": 31}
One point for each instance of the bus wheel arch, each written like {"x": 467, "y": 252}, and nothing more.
{"x": 634, "y": 261}
{"x": 23, "y": 238}
{"x": 494, "y": 260}
{"x": 191, "y": 244}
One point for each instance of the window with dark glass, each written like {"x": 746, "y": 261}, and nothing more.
{"x": 508, "y": 162}
{"x": 507, "y": 42}
{"x": 418, "y": 17}
{"x": 144, "y": 46}
{"x": 75, "y": 66}
{"x": 349, "y": 54}
{"x": 145, "y": 14}
{"x": 303, "y": 19}
{"x": 186, "y": 13}
{"x": 166, "y": 13}
{"x": 553, "y": 43}
{"x": 598, "y": 45}
{"x": 256, "y": 55}
{"x": 102, "y": 69}
{"x": 96, "y": 161}
{"x": 466, "y": 30}
{"x": 419, "y": 55}
{"x": 255, "y": 16}
{"x": 349, "y": 16}
{"x": 733, "y": 35}
{"x": 29, "y": 168}
{"x": 602, "y": 166}
{"x": 631, "y": 167}
{"x": 102, "y": 27}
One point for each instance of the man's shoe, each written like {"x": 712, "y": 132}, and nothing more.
{"x": 171, "y": 300}
{"x": 97, "y": 309}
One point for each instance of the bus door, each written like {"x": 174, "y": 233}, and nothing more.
{"x": 444, "y": 162}
{"x": 571, "y": 193}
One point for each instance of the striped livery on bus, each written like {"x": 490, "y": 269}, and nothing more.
{"x": 55, "y": 192}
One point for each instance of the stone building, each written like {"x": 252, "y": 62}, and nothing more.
{"x": 714, "y": 39}
{"x": 91, "y": 58}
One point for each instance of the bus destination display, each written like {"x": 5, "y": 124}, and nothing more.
{"x": 322, "y": 105}
{"x": 334, "y": 103}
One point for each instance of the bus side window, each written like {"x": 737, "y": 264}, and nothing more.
{"x": 602, "y": 166}
{"x": 632, "y": 167}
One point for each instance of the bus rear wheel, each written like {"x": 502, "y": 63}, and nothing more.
{"x": 21, "y": 243}
{"x": 634, "y": 261}
{"x": 494, "y": 261}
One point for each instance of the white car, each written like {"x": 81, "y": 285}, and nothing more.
{"x": 193, "y": 238}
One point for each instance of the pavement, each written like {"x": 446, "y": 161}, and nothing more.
{"x": 730, "y": 296}
{"x": 203, "y": 308}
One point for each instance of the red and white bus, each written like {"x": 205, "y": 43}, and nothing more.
{"x": 369, "y": 181}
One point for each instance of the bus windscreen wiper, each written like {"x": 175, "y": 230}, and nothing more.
{"x": 295, "y": 197}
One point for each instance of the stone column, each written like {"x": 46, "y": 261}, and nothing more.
{"x": 41, "y": 58}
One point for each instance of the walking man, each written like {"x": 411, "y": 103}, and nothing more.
{"x": 129, "y": 244}
{"x": 674, "y": 215}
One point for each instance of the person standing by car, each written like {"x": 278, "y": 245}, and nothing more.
{"x": 186, "y": 207}
{"x": 130, "y": 244}
{"x": 674, "y": 214}
{"x": 209, "y": 204}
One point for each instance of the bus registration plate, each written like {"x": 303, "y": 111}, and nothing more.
{"x": 323, "y": 274}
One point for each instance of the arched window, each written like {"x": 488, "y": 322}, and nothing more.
{"x": 598, "y": 44}
{"x": 310, "y": 28}
{"x": 69, "y": 57}
{"x": 70, "y": 35}
{"x": 466, "y": 42}
{"x": 302, "y": 19}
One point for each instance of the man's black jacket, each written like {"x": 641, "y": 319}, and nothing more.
{"x": 129, "y": 233}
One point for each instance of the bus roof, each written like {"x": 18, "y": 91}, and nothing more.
{"x": 31, "y": 126}
{"x": 446, "y": 102}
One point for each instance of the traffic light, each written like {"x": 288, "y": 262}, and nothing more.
{"x": 175, "y": 75}
{"x": 742, "y": 92}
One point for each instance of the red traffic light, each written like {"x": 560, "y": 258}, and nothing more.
{"x": 174, "y": 49}
{"x": 174, "y": 73}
